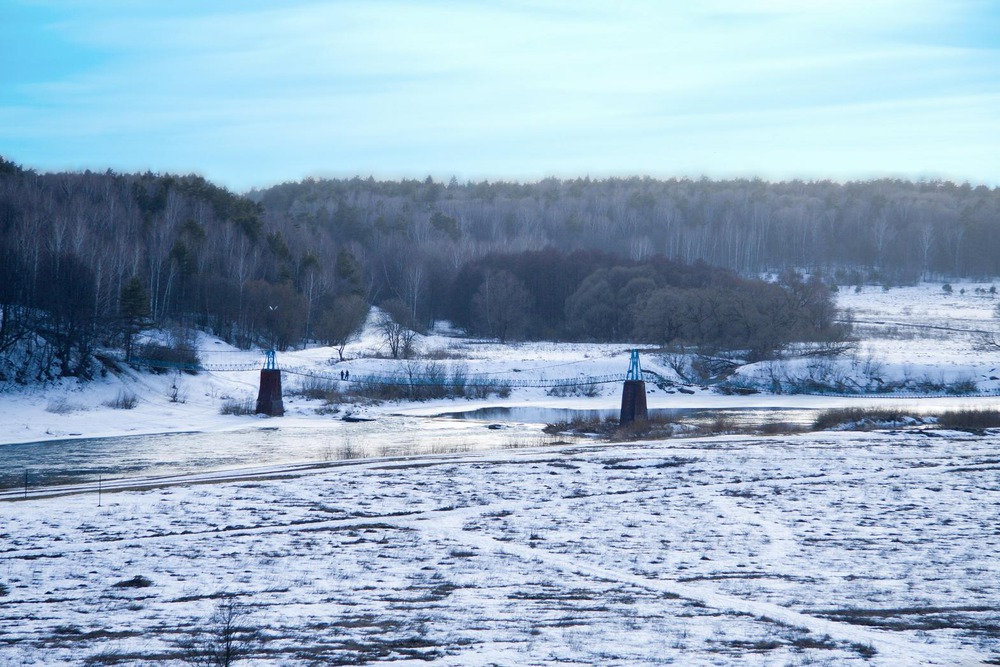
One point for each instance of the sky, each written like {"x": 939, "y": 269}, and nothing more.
{"x": 251, "y": 93}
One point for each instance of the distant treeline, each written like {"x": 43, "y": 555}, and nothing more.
{"x": 86, "y": 259}
{"x": 891, "y": 231}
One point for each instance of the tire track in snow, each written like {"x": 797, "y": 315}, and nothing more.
{"x": 294, "y": 471}
{"x": 447, "y": 523}
{"x": 908, "y": 651}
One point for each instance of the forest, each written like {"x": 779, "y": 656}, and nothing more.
{"x": 88, "y": 259}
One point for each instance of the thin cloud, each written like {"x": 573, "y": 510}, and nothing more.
{"x": 252, "y": 94}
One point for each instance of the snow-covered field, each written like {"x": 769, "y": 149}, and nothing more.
{"x": 828, "y": 548}
{"x": 817, "y": 549}
{"x": 918, "y": 334}
{"x": 913, "y": 340}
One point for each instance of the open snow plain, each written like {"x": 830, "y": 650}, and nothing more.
{"x": 835, "y": 548}
{"x": 823, "y": 549}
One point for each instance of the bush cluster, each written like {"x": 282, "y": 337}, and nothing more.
{"x": 125, "y": 400}
{"x": 474, "y": 388}
{"x": 238, "y": 407}
{"x": 161, "y": 357}
{"x": 862, "y": 418}
{"x": 969, "y": 420}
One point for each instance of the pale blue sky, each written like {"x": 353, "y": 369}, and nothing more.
{"x": 251, "y": 93}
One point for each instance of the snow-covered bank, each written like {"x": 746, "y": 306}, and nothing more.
{"x": 919, "y": 333}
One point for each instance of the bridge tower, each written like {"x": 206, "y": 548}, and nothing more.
{"x": 269, "y": 396}
{"x": 633, "y": 393}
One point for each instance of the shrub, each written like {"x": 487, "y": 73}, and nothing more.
{"x": 582, "y": 425}
{"x": 655, "y": 428}
{"x": 721, "y": 423}
{"x": 588, "y": 390}
{"x": 964, "y": 386}
{"x": 126, "y": 400}
{"x": 380, "y": 391}
{"x": 459, "y": 378}
{"x": 108, "y": 656}
{"x": 929, "y": 385}
{"x": 159, "y": 357}
{"x": 864, "y": 650}
{"x": 348, "y": 450}
{"x": 226, "y": 638}
{"x": 862, "y": 419}
{"x": 61, "y": 406}
{"x": 238, "y": 407}
{"x": 429, "y": 383}
{"x": 969, "y": 420}
{"x": 175, "y": 393}
{"x": 869, "y": 418}
{"x": 649, "y": 429}
{"x": 319, "y": 388}
{"x": 779, "y": 428}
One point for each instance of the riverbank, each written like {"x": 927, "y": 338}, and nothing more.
{"x": 919, "y": 332}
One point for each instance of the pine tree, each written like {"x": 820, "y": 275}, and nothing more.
{"x": 134, "y": 309}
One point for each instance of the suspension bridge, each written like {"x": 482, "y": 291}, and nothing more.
{"x": 434, "y": 374}
{"x": 426, "y": 374}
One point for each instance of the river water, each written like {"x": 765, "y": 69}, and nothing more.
{"x": 736, "y": 416}
{"x": 84, "y": 460}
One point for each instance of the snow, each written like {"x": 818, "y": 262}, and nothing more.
{"x": 831, "y": 548}
{"x": 174, "y": 402}
{"x": 717, "y": 551}
{"x": 892, "y": 352}
{"x": 916, "y": 350}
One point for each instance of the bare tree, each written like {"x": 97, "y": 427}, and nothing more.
{"x": 395, "y": 329}
{"x": 342, "y": 322}
{"x": 228, "y": 637}
{"x": 926, "y": 242}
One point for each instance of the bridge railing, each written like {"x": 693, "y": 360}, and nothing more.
{"x": 471, "y": 380}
